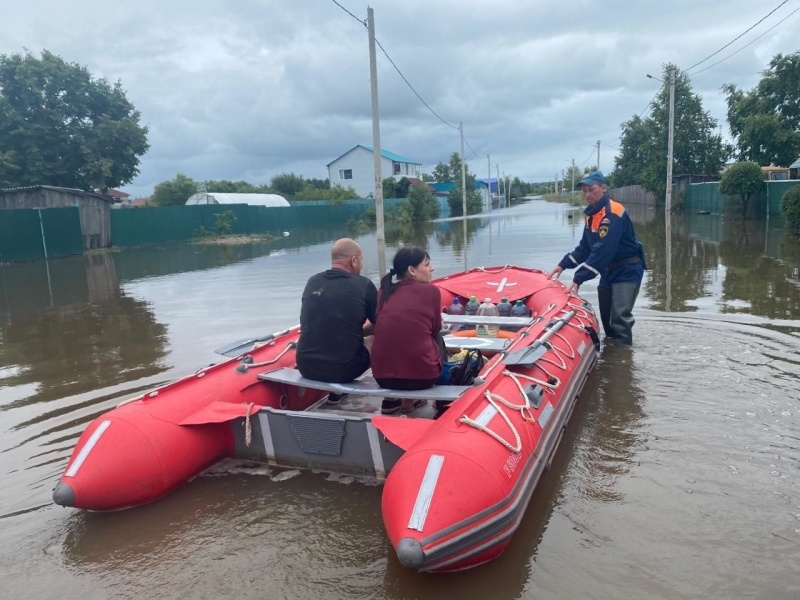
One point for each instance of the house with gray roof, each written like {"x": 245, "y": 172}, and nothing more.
{"x": 355, "y": 168}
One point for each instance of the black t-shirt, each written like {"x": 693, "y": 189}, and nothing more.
{"x": 335, "y": 305}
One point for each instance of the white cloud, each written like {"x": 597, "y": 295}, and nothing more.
{"x": 253, "y": 88}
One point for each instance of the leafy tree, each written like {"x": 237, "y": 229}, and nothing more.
{"x": 643, "y": 145}
{"x": 572, "y": 176}
{"x": 454, "y": 198}
{"x": 401, "y": 189}
{"x": 389, "y": 188}
{"x": 744, "y": 179}
{"x": 442, "y": 174}
{"x": 288, "y": 185}
{"x": 765, "y": 121}
{"x": 60, "y": 126}
{"x": 790, "y": 207}
{"x": 421, "y": 205}
{"x": 236, "y": 187}
{"x": 174, "y": 191}
{"x": 427, "y": 177}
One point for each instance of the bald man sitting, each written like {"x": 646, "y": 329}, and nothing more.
{"x": 336, "y": 305}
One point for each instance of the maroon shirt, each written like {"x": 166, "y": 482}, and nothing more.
{"x": 405, "y": 326}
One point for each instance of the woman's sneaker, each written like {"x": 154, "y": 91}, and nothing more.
{"x": 335, "y": 399}
{"x": 389, "y": 407}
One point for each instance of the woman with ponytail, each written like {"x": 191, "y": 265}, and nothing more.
{"x": 407, "y": 352}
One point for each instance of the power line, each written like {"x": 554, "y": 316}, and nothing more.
{"x": 748, "y": 44}
{"x": 411, "y": 87}
{"x": 364, "y": 22}
{"x": 588, "y": 158}
{"x": 736, "y": 38}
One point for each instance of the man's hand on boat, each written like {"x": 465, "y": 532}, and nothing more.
{"x": 556, "y": 273}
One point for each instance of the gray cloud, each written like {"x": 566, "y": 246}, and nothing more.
{"x": 250, "y": 89}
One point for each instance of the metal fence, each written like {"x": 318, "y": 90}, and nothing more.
{"x": 706, "y": 197}
{"x": 29, "y": 234}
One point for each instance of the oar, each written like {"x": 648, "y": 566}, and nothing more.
{"x": 239, "y": 346}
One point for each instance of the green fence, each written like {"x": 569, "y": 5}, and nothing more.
{"x": 28, "y": 234}
{"x": 706, "y": 197}
{"x": 134, "y": 227}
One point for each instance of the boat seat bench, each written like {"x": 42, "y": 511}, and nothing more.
{"x": 363, "y": 387}
{"x": 487, "y": 320}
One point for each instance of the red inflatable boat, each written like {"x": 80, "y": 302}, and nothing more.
{"x": 455, "y": 489}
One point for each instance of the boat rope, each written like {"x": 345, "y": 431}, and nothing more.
{"x": 517, "y": 447}
{"x": 248, "y": 427}
{"x": 496, "y": 400}
{"x": 289, "y": 346}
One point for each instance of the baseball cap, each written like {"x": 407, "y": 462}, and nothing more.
{"x": 592, "y": 178}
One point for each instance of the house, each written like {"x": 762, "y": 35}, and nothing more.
{"x": 119, "y": 196}
{"x": 355, "y": 168}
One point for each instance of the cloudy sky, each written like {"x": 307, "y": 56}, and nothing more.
{"x": 248, "y": 89}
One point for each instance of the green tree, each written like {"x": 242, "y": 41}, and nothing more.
{"x": 643, "y": 145}
{"x": 455, "y": 197}
{"x": 765, "y": 121}
{"x": 174, "y": 191}
{"x": 288, "y": 185}
{"x": 420, "y": 206}
{"x": 60, "y": 126}
{"x": 790, "y": 207}
{"x": 224, "y": 221}
{"x": 572, "y": 176}
{"x": 744, "y": 179}
{"x": 225, "y": 186}
{"x": 389, "y": 186}
{"x": 442, "y": 174}
{"x": 427, "y": 178}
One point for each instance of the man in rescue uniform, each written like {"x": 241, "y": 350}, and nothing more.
{"x": 608, "y": 248}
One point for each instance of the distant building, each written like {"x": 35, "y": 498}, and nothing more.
{"x": 117, "y": 195}
{"x": 355, "y": 168}
{"x": 94, "y": 209}
{"x": 270, "y": 200}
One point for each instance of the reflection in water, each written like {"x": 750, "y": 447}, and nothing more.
{"x": 613, "y": 430}
{"x": 753, "y": 267}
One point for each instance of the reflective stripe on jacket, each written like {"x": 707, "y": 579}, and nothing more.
{"x": 608, "y": 237}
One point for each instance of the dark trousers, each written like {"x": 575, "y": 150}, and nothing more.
{"x": 616, "y": 304}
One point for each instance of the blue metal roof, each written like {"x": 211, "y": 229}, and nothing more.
{"x": 392, "y": 156}
{"x": 384, "y": 153}
{"x": 483, "y": 180}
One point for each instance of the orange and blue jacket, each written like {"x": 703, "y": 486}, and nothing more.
{"x": 608, "y": 247}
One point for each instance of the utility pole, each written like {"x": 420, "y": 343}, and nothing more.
{"x": 555, "y": 182}
{"x": 498, "y": 185}
{"x": 598, "y": 155}
{"x": 489, "y": 183}
{"x": 668, "y": 206}
{"x": 376, "y": 146}
{"x": 573, "y": 174}
{"x": 463, "y": 177}
{"x": 562, "y": 180}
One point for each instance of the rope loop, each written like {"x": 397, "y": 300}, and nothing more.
{"x": 248, "y": 426}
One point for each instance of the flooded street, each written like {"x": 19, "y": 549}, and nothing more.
{"x": 677, "y": 478}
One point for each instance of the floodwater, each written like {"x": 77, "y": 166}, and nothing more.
{"x": 678, "y": 477}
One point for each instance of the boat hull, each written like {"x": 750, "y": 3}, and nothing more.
{"x": 456, "y": 488}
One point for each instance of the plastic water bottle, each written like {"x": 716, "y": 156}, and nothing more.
{"x": 455, "y": 308}
{"x": 472, "y": 306}
{"x": 504, "y": 308}
{"x": 519, "y": 309}
{"x": 487, "y": 309}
